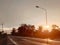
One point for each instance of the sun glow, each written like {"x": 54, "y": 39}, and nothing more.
{"x": 48, "y": 28}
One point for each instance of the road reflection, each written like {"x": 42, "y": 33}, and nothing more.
{"x": 49, "y": 40}
{"x": 52, "y": 42}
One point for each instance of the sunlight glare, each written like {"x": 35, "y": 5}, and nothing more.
{"x": 48, "y": 40}
{"x": 47, "y": 28}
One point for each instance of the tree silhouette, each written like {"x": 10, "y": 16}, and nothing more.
{"x": 29, "y": 30}
{"x": 38, "y": 32}
{"x": 13, "y": 31}
{"x": 55, "y": 32}
{"x": 55, "y": 26}
{"x": 26, "y": 30}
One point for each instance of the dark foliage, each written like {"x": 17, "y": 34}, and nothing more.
{"x": 30, "y": 31}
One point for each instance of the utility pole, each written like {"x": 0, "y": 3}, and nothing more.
{"x": 2, "y": 27}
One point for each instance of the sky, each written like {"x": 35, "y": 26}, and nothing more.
{"x": 16, "y": 12}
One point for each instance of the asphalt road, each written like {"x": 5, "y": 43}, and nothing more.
{"x": 17, "y": 40}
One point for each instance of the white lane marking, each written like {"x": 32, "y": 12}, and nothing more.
{"x": 12, "y": 41}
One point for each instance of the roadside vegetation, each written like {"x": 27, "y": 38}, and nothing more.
{"x": 31, "y": 31}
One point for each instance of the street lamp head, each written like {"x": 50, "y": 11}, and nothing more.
{"x": 37, "y": 6}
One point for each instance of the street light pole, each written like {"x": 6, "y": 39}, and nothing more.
{"x": 45, "y": 19}
{"x": 46, "y": 15}
{"x": 45, "y": 12}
